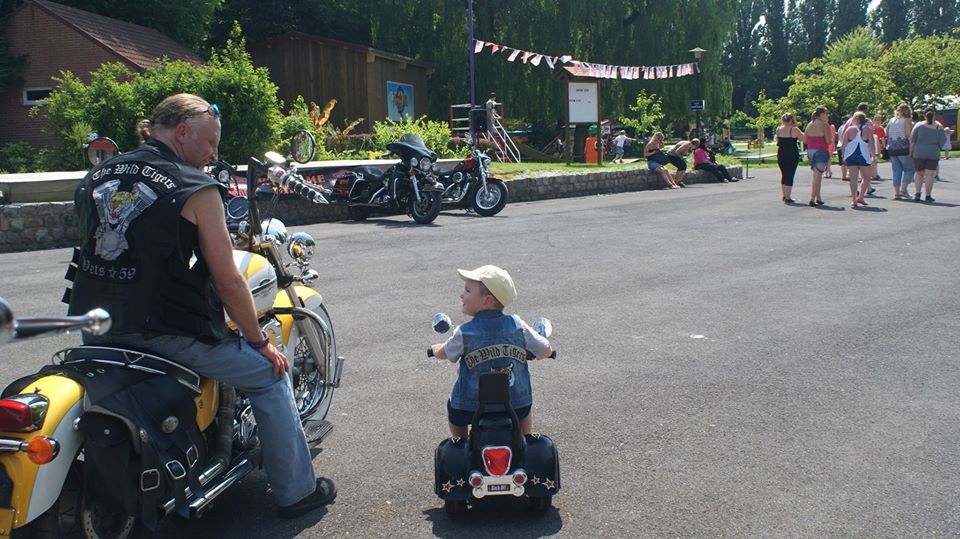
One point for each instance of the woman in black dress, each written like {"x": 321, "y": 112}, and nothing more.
{"x": 789, "y": 137}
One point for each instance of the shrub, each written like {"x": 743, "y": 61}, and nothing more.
{"x": 436, "y": 135}
{"x": 18, "y": 157}
{"x": 116, "y": 99}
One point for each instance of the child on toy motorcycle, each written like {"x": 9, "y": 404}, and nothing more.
{"x": 491, "y": 342}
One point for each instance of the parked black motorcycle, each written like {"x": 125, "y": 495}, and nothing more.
{"x": 406, "y": 187}
{"x": 470, "y": 186}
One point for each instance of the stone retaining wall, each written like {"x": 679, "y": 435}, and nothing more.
{"x": 50, "y": 225}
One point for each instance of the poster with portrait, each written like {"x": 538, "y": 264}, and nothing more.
{"x": 400, "y": 101}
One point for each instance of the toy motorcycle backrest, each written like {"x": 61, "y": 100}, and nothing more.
{"x": 441, "y": 323}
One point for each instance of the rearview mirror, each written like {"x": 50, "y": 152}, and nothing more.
{"x": 100, "y": 149}
{"x": 6, "y": 322}
{"x": 543, "y": 327}
{"x": 303, "y": 146}
{"x": 441, "y": 323}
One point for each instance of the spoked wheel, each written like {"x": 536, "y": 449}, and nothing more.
{"x": 312, "y": 398}
{"x": 491, "y": 201}
{"x": 427, "y": 209}
{"x": 540, "y": 504}
{"x": 358, "y": 213}
{"x": 455, "y": 507}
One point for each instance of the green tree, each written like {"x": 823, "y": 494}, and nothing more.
{"x": 347, "y": 21}
{"x": 741, "y": 49}
{"x": 647, "y": 113}
{"x": 815, "y": 19}
{"x": 859, "y": 43}
{"x": 923, "y": 70}
{"x": 839, "y": 87}
{"x": 891, "y": 20}
{"x": 850, "y": 14}
{"x": 934, "y": 16}
{"x": 776, "y": 61}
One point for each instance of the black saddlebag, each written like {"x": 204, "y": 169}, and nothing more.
{"x": 142, "y": 446}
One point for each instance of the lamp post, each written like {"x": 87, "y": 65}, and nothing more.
{"x": 473, "y": 132}
{"x": 697, "y": 54}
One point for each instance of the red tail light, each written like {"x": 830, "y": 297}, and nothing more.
{"x": 475, "y": 479}
{"x": 23, "y": 413}
{"x": 496, "y": 459}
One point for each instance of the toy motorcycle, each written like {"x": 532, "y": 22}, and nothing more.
{"x": 496, "y": 459}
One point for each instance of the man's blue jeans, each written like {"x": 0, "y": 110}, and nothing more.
{"x": 285, "y": 452}
{"x": 902, "y": 170}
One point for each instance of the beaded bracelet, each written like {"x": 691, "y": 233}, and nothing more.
{"x": 256, "y": 345}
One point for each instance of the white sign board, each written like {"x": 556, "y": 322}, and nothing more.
{"x": 583, "y": 103}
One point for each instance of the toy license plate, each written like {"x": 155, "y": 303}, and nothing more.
{"x": 498, "y": 488}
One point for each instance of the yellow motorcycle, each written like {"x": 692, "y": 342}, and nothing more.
{"x": 48, "y": 419}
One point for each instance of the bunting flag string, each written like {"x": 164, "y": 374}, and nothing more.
{"x": 600, "y": 71}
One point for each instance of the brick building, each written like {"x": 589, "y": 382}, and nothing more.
{"x": 60, "y": 38}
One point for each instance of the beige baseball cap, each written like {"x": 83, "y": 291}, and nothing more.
{"x": 497, "y": 281}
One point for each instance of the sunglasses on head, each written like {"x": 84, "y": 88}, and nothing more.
{"x": 212, "y": 109}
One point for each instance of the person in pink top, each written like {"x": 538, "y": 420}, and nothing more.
{"x": 703, "y": 160}
{"x": 818, "y": 139}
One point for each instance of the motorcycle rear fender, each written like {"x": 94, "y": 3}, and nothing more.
{"x": 451, "y": 468}
{"x": 542, "y": 462}
{"x": 310, "y": 298}
{"x": 37, "y": 487}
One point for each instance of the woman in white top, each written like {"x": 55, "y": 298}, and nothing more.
{"x": 858, "y": 155}
{"x": 898, "y": 148}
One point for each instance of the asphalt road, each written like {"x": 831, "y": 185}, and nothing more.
{"x": 729, "y": 365}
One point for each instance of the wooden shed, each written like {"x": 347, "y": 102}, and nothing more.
{"x": 367, "y": 83}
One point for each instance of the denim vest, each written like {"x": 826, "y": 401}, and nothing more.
{"x": 492, "y": 341}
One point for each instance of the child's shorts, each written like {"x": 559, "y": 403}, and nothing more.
{"x": 462, "y": 418}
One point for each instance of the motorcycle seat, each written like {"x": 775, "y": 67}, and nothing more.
{"x": 496, "y": 422}
{"x": 132, "y": 359}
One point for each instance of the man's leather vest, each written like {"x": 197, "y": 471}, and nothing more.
{"x": 135, "y": 249}
{"x": 492, "y": 341}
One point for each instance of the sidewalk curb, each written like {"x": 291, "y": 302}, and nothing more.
{"x": 53, "y": 225}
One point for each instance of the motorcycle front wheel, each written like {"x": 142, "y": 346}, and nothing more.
{"x": 312, "y": 396}
{"x": 490, "y": 202}
{"x": 427, "y": 209}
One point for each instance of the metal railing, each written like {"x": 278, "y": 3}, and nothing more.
{"x": 506, "y": 149}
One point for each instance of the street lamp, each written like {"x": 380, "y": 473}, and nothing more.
{"x": 697, "y": 54}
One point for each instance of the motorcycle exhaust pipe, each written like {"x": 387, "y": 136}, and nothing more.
{"x": 235, "y": 474}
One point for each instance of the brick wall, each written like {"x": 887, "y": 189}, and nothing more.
{"x": 49, "y": 225}
{"x": 51, "y": 46}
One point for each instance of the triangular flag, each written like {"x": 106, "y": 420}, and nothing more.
{"x": 494, "y": 48}
{"x": 536, "y": 59}
{"x": 566, "y": 58}
{"x": 551, "y": 60}
{"x": 513, "y": 55}
{"x": 478, "y": 46}
{"x": 526, "y": 56}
